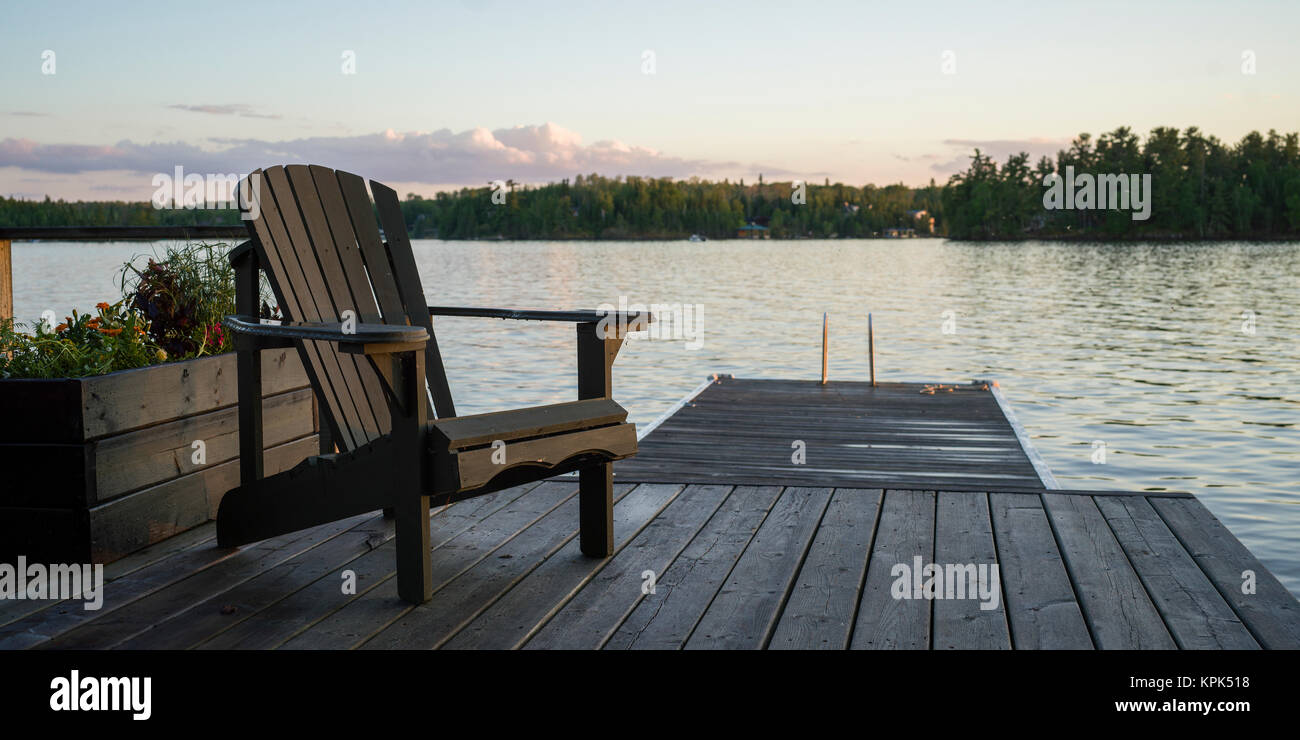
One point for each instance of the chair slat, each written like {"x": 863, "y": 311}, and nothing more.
{"x": 408, "y": 284}
{"x": 269, "y": 230}
{"x": 372, "y": 248}
{"x": 304, "y": 271}
{"x": 378, "y": 266}
{"x": 347, "y": 292}
{"x": 346, "y": 242}
{"x": 324, "y": 254}
{"x": 319, "y": 308}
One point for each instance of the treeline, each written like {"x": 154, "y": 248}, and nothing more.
{"x": 589, "y": 207}
{"x": 29, "y": 213}
{"x": 1200, "y": 188}
{"x": 595, "y": 207}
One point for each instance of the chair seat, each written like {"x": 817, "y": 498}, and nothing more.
{"x": 465, "y": 432}
{"x": 476, "y": 454}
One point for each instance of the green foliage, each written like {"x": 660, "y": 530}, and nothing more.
{"x": 184, "y": 297}
{"x": 589, "y": 207}
{"x": 1200, "y": 189}
{"x": 35, "y": 213}
{"x": 595, "y": 207}
{"x": 114, "y": 338}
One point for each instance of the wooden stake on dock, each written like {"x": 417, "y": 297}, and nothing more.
{"x": 871, "y": 351}
{"x": 824, "y": 349}
{"x": 6, "y": 281}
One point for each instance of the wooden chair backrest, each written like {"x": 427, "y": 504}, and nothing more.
{"x": 319, "y": 243}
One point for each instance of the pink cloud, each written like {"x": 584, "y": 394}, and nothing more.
{"x": 524, "y": 153}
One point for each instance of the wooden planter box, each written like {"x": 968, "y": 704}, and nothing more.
{"x": 96, "y": 468}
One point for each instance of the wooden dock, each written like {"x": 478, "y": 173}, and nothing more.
{"x": 782, "y": 556}
{"x": 851, "y": 434}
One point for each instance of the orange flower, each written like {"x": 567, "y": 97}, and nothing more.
{"x": 111, "y": 332}
{"x": 102, "y": 306}
{"x": 61, "y": 327}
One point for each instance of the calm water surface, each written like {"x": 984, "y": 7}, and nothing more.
{"x": 1139, "y": 347}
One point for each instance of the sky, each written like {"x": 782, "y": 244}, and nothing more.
{"x": 97, "y": 99}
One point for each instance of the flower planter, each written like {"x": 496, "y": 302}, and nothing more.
{"x": 96, "y": 468}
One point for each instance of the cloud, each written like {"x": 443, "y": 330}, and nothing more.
{"x": 524, "y": 153}
{"x": 998, "y": 149}
{"x": 28, "y": 114}
{"x": 230, "y": 109}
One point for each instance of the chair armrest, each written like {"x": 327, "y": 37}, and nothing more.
{"x": 628, "y": 319}
{"x": 364, "y": 333}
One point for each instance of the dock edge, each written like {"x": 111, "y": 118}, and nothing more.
{"x": 1040, "y": 465}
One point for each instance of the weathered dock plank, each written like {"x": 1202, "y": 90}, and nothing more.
{"x": 217, "y": 612}
{"x": 745, "y": 611}
{"x": 141, "y": 614}
{"x": 819, "y": 613}
{"x": 1118, "y": 610}
{"x": 509, "y": 621}
{"x": 665, "y": 619}
{"x": 588, "y": 620}
{"x": 1041, "y": 606}
{"x": 369, "y": 614}
{"x": 160, "y": 555}
{"x": 1269, "y": 611}
{"x": 458, "y": 598}
{"x": 1193, "y": 609}
{"x": 297, "y": 611}
{"x": 963, "y": 536}
{"x": 905, "y": 532}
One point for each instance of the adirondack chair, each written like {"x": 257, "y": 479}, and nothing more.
{"x": 391, "y": 438}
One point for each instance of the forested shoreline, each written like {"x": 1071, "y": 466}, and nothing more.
{"x": 1200, "y": 188}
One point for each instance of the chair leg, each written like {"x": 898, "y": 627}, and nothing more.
{"x": 414, "y": 567}
{"x": 409, "y": 505}
{"x": 596, "y": 510}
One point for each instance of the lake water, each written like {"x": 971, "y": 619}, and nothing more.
{"x": 1182, "y": 360}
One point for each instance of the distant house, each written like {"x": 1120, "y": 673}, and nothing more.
{"x": 924, "y": 221}
{"x": 753, "y": 231}
{"x": 896, "y": 232}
